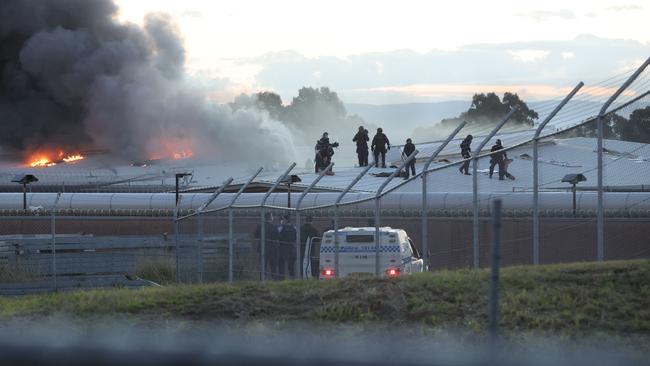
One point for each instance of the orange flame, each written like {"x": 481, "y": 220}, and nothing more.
{"x": 43, "y": 159}
{"x": 41, "y": 162}
{"x": 182, "y": 155}
{"x": 73, "y": 158}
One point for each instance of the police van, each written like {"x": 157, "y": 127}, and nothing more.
{"x": 357, "y": 253}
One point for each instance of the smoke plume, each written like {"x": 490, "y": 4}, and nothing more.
{"x": 71, "y": 76}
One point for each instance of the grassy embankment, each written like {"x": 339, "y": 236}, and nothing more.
{"x": 611, "y": 297}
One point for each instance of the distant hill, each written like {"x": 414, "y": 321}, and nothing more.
{"x": 417, "y": 120}
{"x": 399, "y": 120}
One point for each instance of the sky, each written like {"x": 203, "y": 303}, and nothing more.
{"x": 384, "y": 52}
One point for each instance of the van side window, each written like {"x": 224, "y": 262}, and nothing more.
{"x": 415, "y": 251}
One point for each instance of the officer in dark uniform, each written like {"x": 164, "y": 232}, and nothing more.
{"x": 498, "y": 157}
{"x": 465, "y": 152}
{"x": 325, "y": 150}
{"x": 361, "y": 138}
{"x": 379, "y": 144}
{"x": 271, "y": 249}
{"x": 287, "y": 250}
{"x": 409, "y": 148}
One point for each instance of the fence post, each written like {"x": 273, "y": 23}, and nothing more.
{"x": 425, "y": 223}
{"x": 177, "y": 245}
{"x": 378, "y": 205}
{"x": 199, "y": 252}
{"x": 263, "y": 223}
{"x": 475, "y": 225}
{"x": 298, "y": 263}
{"x": 336, "y": 214}
{"x": 536, "y": 169}
{"x": 53, "y": 229}
{"x": 199, "y": 215}
{"x": 231, "y": 239}
{"x": 493, "y": 307}
{"x": 262, "y": 244}
{"x": 600, "y": 229}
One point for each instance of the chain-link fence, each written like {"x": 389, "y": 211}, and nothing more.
{"x": 556, "y": 206}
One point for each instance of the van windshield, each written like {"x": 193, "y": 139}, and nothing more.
{"x": 360, "y": 238}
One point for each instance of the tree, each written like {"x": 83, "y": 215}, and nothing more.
{"x": 523, "y": 114}
{"x": 485, "y": 106}
{"x": 488, "y": 107}
{"x": 640, "y": 126}
{"x": 316, "y": 110}
{"x": 270, "y": 102}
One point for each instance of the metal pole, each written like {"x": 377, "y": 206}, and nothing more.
{"x": 263, "y": 244}
{"x": 25, "y": 197}
{"x": 297, "y": 264}
{"x": 536, "y": 169}
{"x": 200, "y": 249}
{"x": 263, "y": 225}
{"x": 53, "y": 228}
{"x": 475, "y": 239}
{"x": 298, "y": 205}
{"x": 177, "y": 194}
{"x": 425, "y": 223}
{"x": 493, "y": 307}
{"x": 289, "y": 194}
{"x": 199, "y": 215}
{"x": 215, "y": 194}
{"x": 231, "y": 239}
{"x": 600, "y": 229}
{"x": 378, "y": 205}
{"x": 573, "y": 190}
{"x": 231, "y": 263}
{"x": 377, "y": 236}
{"x": 336, "y": 214}
{"x": 178, "y": 277}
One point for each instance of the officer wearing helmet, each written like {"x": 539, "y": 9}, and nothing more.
{"x": 465, "y": 152}
{"x": 498, "y": 157}
{"x": 361, "y": 138}
{"x": 379, "y": 146}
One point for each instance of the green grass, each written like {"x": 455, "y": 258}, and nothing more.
{"x": 610, "y": 297}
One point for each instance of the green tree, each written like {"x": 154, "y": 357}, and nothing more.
{"x": 270, "y": 102}
{"x": 523, "y": 114}
{"x": 637, "y": 129}
{"x": 488, "y": 107}
{"x": 315, "y": 107}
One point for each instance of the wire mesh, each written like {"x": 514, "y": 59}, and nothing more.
{"x": 210, "y": 247}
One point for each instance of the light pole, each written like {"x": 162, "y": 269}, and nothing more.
{"x": 24, "y": 180}
{"x": 178, "y": 177}
{"x": 293, "y": 178}
{"x": 574, "y": 179}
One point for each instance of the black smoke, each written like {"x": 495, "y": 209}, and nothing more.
{"x": 72, "y": 76}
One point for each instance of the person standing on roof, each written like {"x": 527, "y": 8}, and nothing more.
{"x": 361, "y": 138}
{"x": 498, "y": 157}
{"x": 323, "y": 160}
{"x": 409, "y": 148}
{"x": 325, "y": 150}
{"x": 379, "y": 144}
{"x": 465, "y": 152}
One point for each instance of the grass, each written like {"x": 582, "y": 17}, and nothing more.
{"x": 610, "y": 298}
{"x": 159, "y": 270}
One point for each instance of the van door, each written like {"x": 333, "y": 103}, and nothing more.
{"x": 407, "y": 256}
{"x": 417, "y": 263}
{"x": 310, "y": 263}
